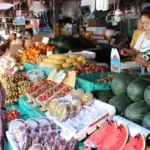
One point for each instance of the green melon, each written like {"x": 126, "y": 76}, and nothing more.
{"x": 145, "y": 77}
{"x": 61, "y": 42}
{"x": 120, "y": 83}
{"x": 60, "y": 51}
{"x": 121, "y": 102}
{"x": 103, "y": 96}
{"x": 147, "y": 95}
{"x": 53, "y": 41}
{"x": 136, "y": 111}
{"x": 146, "y": 121}
{"x": 136, "y": 89}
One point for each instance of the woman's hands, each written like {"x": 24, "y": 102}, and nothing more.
{"x": 124, "y": 52}
{"x": 128, "y": 52}
{"x": 143, "y": 62}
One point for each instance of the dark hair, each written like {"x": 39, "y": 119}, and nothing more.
{"x": 146, "y": 12}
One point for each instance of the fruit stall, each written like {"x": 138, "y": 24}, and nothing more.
{"x": 68, "y": 101}
{"x": 65, "y": 91}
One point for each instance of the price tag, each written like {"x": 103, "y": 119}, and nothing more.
{"x": 52, "y": 74}
{"x": 60, "y": 78}
{"x": 49, "y": 53}
{"x": 45, "y": 40}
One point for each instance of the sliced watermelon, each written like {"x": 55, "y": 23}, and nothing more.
{"x": 135, "y": 143}
{"x": 115, "y": 140}
{"x": 100, "y": 134}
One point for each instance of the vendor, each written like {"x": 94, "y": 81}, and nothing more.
{"x": 137, "y": 33}
{"x": 143, "y": 43}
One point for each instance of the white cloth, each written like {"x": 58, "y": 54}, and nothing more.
{"x": 142, "y": 44}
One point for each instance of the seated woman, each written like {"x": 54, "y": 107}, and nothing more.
{"x": 142, "y": 45}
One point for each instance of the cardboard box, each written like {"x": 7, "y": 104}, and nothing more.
{"x": 39, "y": 37}
{"x": 14, "y": 49}
{"x": 93, "y": 22}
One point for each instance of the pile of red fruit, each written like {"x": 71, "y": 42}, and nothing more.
{"x": 105, "y": 79}
{"x": 90, "y": 68}
{"x": 12, "y": 114}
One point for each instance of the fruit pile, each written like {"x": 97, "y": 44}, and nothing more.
{"x": 38, "y": 134}
{"x": 115, "y": 137}
{"x": 130, "y": 96}
{"x": 41, "y": 93}
{"x": 90, "y": 68}
{"x": 67, "y": 108}
{"x": 9, "y": 65}
{"x": 12, "y": 114}
{"x": 15, "y": 86}
{"x": 30, "y": 54}
{"x": 108, "y": 78}
{"x": 60, "y": 61}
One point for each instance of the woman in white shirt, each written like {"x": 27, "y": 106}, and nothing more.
{"x": 143, "y": 43}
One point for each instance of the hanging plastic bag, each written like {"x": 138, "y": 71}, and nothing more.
{"x": 92, "y": 6}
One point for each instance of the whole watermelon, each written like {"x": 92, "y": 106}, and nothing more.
{"x": 146, "y": 121}
{"x": 136, "y": 89}
{"x": 136, "y": 111}
{"x": 120, "y": 83}
{"x": 62, "y": 42}
{"x": 121, "y": 102}
{"x": 147, "y": 95}
{"x": 53, "y": 41}
{"x": 103, "y": 96}
{"x": 60, "y": 51}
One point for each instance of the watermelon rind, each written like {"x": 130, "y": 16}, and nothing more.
{"x": 147, "y": 95}
{"x": 146, "y": 121}
{"x": 120, "y": 82}
{"x": 136, "y": 111}
{"x": 136, "y": 89}
{"x": 135, "y": 143}
{"x": 121, "y": 102}
{"x": 110, "y": 143}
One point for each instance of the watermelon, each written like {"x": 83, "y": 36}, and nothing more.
{"x": 121, "y": 102}
{"x": 100, "y": 134}
{"x": 62, "y": 42}
{"x": 120, "y": 83}
{"x": 136, "y": 89}
{"x": 147, "y": 95}
{"x": 103, "y": 96}
{"x": 146, "y": 121}
{"x": 135, "y": 143}
{"x": 60, "y": 51}
{"x": 115, "y": 140}
{"x": 145, "y": 77}
{"x": 53, "y": 41}
{"x": 136, "y": 111}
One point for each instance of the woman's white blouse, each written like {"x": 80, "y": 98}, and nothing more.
{"x": 142, "y": 44}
